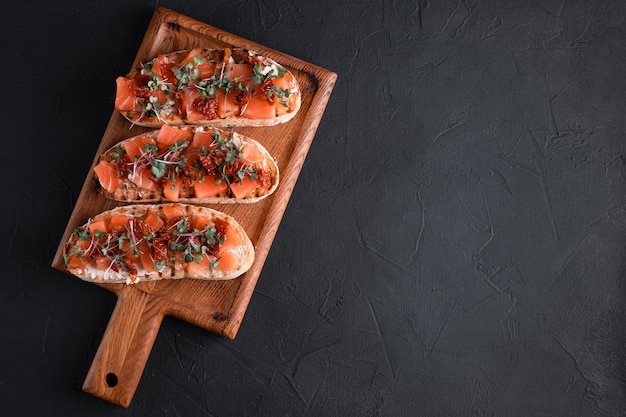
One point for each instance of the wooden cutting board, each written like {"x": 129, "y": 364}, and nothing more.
{"x": 217, "y": 306}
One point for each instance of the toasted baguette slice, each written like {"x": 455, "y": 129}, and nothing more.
{"x": 209, "y": 87}
{"x": 153, "y": 242}
{"x": 191, "y": 164}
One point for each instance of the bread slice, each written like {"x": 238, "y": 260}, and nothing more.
{"x": 188, "y": 164}
{"x": 158, "y": 241}
{"x": 209, "y": 87}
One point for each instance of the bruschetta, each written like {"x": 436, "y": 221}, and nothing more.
{"x": 162, "y": 241}
{"x": 190, "y": 164}
{"x": 209, "y": 87}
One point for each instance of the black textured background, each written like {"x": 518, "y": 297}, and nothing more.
{"x": 454, "y": 246}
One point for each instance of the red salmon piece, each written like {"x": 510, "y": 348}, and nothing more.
{"x": 125, "y": 98}
{"x": 200, "y": 222}
{"x": 243, "y": 189}
{"x": 251, "y": 154}
{"x": 231, "y": 239}
{"x": 199, "y": 268}
{"x": 136, "y": 147}
{"x": 76, "y": 261}
{"x": 226, "y": 105}
{"x": 172, "y": 211}
{"x": 209, "y": 188}
{"x": 171, "y": 189}
{"x": 105, "y": 171}
{"x": 227, "y": 261}
{"x": 169, "y": 135}
{"x": 152, "y": 222}
{"x": 119, "y": 222}
{"x": 103, "y": 263}
{"x": 238, "y": 73}
{"x": 282, "y": 104}
{"x": 145, "y": 257}
{"x": 143, "y": 179}
{"x": 202, "y": 139}
{"x": 98, "y": 225}
{"x": 203, "y": 64}
{"x": 163, "y": 68}
{"x": 259, "y": 107}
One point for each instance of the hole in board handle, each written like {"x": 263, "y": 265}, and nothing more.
{"x": 111, "y": 379}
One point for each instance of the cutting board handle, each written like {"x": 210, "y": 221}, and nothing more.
{"x": 123, "y": 352}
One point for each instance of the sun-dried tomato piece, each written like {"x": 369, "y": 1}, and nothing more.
{"x": 129, "y": 264}
{"x": 159, "y": 249}
{"x": 122, "y": 166}
{"x": 206, "y": 106}
{"x": 264, "y": 177}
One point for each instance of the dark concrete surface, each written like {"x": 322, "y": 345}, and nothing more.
{"x": 455, "y": 244}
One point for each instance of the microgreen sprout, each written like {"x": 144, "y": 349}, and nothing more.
{"x": 159, "y": 163}
{"x": 117, "y": 152}
{"x": 281, "y": 93}
{"x": 158, "y": 265}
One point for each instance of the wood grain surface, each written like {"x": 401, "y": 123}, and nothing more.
{"x": 217, "y": 306}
